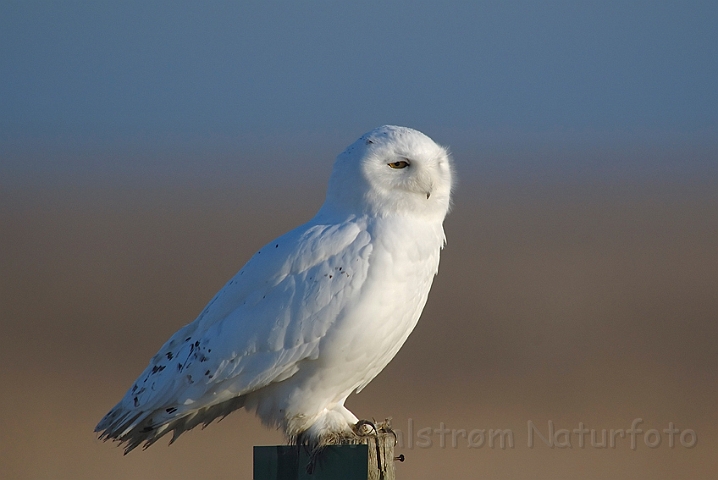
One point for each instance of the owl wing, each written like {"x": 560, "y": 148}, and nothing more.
{"x": 255, "y": 331}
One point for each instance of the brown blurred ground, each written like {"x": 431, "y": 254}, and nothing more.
{"x": 593, "y": 304}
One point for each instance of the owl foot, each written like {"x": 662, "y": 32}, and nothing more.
{"x": 361, "y": 431}
{"x": 367, "y": 428}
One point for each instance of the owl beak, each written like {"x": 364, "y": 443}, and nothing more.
{"x": 426, "y": 185}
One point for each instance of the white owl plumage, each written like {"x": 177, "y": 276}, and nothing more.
{"x": 315, "y": 314}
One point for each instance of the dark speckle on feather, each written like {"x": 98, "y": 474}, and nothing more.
{"x": 169, "y": 355}
{"x": 137, "y": 402}
{"x": 171, "y": 410}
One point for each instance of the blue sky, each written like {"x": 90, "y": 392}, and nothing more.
{"x": 228, "y": 77}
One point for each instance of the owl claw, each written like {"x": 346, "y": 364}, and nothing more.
{"x": 363, "y": 428}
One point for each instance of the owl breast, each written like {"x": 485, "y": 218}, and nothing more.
{"x": 385, "y": 310}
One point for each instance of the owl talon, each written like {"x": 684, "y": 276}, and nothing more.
{"x": 363, "y": 428}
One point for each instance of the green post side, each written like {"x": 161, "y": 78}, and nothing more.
{"x": 336, "y": 462}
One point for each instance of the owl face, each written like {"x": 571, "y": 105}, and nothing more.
{"x": 394, "y": 170}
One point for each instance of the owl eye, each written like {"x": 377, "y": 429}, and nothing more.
{"x": 399, "y": 164}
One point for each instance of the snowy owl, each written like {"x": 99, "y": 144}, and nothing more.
{"x": 315, "y": 314}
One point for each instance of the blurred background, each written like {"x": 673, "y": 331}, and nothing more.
{"x": 147, "y": 149}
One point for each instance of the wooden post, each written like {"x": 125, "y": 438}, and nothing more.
{"x": 371, "y": 457}
{"x": 381, "y": 456}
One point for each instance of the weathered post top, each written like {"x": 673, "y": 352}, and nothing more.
{"x": 371, "y": 457}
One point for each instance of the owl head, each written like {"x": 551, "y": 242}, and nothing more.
{"x": 392, "y": 171}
